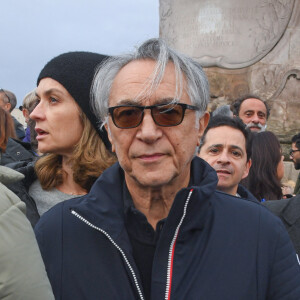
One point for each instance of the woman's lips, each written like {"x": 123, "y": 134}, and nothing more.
{"x": 40, "y": 133}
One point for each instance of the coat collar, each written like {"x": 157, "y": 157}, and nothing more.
{"x": 104, "y": 205}
{"x": 244, "y": 193}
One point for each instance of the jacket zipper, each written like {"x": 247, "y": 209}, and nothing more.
{"x": 116, "y": 245}
{"x": 172, "y": 250}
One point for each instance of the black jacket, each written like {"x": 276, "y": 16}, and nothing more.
{"x": 244, "y": 193}
{"x": 213, "y": 246}
{"x": 289, "y": 212}
{"x": 17, "y": 151}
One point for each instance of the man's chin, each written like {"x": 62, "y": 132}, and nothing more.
{"x": 225, "y": 188}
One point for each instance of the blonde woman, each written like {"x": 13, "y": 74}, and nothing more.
{"x": 68, "y": 133}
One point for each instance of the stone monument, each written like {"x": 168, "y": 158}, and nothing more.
{"x": 245, "y": 47}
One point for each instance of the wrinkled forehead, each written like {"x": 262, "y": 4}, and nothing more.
{"x": 140, "y": 80}
{"x": 253, "y": 104}
{"x": 225, "y": 137}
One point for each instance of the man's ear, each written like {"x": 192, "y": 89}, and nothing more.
{"x": 109, "y": 137}
{"x": 247, "y": 169}
{"x": 202, "y": 125}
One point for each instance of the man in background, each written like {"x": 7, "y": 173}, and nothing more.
{"x": 8, "y": 102}
{"x": 226, "y": 146}
{"x": 253, "y": 111}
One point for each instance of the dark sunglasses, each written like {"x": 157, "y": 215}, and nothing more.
{"x": 2, "y": 91}
{"x": 292, "y": 152}
{"x": 131, "y": 116}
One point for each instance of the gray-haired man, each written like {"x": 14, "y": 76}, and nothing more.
{"x": 153, "y": 225}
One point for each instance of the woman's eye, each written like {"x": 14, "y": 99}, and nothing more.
{"x": 53, "y": 100}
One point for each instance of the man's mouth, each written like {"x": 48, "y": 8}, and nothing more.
{"x": 256, "y": 127}
{"x": 223, "y": 171}
{"x": 150, "y": 157}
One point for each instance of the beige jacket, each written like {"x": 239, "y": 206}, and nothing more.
{"x": 22, "y": 271}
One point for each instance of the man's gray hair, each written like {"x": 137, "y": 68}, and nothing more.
{"x": 157, "y": 50}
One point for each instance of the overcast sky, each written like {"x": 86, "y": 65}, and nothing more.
{"x": 34, "y": 31}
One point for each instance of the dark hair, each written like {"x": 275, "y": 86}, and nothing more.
{"x": 235, "y": 123}
{"x": 236, "y": 105}
{"x": 296, "y": 140}
{"x": 262, "y": 180}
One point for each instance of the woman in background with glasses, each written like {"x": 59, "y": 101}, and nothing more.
{"x": 8, "y": 102}
{"x": 13, "y": 151}
{"x": 7, "y": 129}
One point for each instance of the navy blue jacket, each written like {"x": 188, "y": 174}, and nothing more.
{"x": 213, "y": 246}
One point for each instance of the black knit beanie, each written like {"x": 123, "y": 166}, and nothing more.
{"x": 75, "y": 71}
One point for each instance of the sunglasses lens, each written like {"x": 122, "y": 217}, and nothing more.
{"x": 127, "y": 117}
{"x": 168, "y": 115}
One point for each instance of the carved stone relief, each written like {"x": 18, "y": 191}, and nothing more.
{"x": 245, "y": 47}
{"x": 228, "y": 34}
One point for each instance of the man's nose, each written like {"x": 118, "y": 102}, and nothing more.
{"x": 223, "y": 157}
{"x": 255, "y": 119}
{"x": 149, "y": 131}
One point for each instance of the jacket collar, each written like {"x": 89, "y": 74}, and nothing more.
{"x": 104, "y": 205}
{"x": 244, "y": 193}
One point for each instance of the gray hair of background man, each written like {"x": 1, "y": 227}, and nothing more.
{"x": 9, "y": 97}
{"x": 223, "y": 110}
{"x": 29, "y": 100}
{"x": 156, "y": 50}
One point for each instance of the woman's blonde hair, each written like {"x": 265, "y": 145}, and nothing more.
{"x": 89, "y": 159}
{"x": 7, "y": 128}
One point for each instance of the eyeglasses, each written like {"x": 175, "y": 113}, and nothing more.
{"x": 131, "y": 116}
{"x": 292, "y": 152}
{"x": 2, "y": 91}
